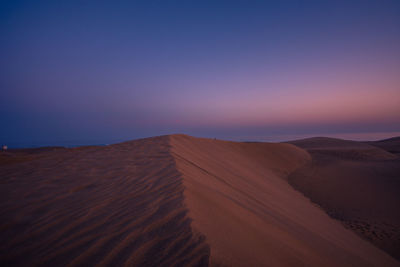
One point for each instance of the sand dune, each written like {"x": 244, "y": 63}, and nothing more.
{"x": 168, "y": 201}
{"x": 391, "y": 145}
{"x": 237, "y": 196}
{"x": 115, "y": 205}
{"x": 357, "y": 183}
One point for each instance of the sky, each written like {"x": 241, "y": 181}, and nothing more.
{"x": 94, "y": 72}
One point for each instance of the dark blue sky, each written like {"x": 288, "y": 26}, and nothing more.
{"x": 84, "y": 72}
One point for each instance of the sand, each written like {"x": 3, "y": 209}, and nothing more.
{"x": 357, "y": 183}
{"x": 108, "y": 206}
{"x": 391, "y": 145}
{"x": 239, "y": 199}
{"x": 169, "y": 201}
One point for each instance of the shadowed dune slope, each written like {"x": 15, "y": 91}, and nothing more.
{"x": 239, "y": 199}
{"x": 115, "y": 205}
{"x": 357, "y": 183}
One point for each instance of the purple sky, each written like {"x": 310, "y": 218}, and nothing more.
{"x": 101, "y": 72}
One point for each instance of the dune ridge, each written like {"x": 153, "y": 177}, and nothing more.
{"x": 168, "y": 201}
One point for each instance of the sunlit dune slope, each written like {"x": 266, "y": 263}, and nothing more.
{"x": 357, "y": 183}
{"x": 239, "y": 199}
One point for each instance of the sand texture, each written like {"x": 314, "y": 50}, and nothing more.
{"x": 357, "y": 183}
{"x": 176, "y": 201}
{"x": 108, "y": 206}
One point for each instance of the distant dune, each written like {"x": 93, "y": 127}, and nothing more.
{"x": 357, "y": 183}
{"x": 184, "y": 201}
{"x": 391, "y": 145}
